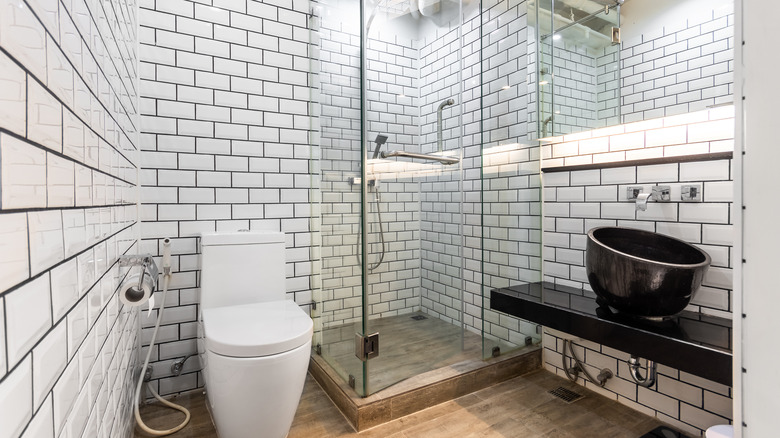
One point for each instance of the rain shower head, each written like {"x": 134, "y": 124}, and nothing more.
{"x": 380, "y": 140}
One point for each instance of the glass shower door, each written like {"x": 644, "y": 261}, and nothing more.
{"x": 390, "y": 190}
{"x": 412, "y": 208}
{"x": 340, "y": 301}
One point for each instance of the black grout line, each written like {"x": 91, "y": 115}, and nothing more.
{"x": 120, "y": 77}
{"x": 63, "y": 319}
{"x": 35, "y": 144}
{"x": 31, "y": 278}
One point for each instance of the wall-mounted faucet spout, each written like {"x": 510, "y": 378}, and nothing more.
{"x": 658, "y": 194}
{"x": 438, "y": 123}
{"x": 641, "y": 201}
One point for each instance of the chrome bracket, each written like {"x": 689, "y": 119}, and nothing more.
{"x": 366, "y": 347}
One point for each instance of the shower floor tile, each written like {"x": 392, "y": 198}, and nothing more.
{"x": 407, "y": 347}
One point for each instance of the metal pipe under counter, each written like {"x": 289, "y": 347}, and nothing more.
{"x": 696, "y": 343}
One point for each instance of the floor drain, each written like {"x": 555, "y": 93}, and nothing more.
{"x": 566, "y": 395}
{"x": 419, "y": 317}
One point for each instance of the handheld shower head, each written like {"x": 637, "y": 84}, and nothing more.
{"x": 380, "y": 140}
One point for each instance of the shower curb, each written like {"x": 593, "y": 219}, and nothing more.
{"x": 423, "y": 391}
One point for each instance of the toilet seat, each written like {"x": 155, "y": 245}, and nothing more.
{"x": 257, "y": 329}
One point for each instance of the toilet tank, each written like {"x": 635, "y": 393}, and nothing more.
{"x": 241, "y": 267}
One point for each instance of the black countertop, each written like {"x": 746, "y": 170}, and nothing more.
{"x": 691, "y": 342}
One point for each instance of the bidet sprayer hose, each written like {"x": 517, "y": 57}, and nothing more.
{"x": 165, "y": 281}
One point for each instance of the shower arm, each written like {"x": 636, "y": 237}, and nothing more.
{"x": 438, "y": 123}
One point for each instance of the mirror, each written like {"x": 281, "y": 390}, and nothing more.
{"x": 597, "y": 63}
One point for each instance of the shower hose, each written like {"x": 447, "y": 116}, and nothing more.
{"x": 166, "y": 279}
{"x": 373, "y": 266}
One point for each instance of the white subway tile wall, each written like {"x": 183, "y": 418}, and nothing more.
{"x": 502, "y": 188}
{"x": 585, "y": 83}
{"x": 701, "y": 132}
{"x": 684, "y": 67}
{"x": 677, "y": 398}
{"x": 68, "y": 177}
{"x": 225, "y": 139}
{"x": 227, "y": 133}
{"x": 441, "y": 61}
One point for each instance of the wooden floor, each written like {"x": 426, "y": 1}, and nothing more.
{"x": 407, "y": 347}
{"x": 520, "y": 407}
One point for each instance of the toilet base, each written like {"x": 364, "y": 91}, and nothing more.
{"x": 249, "y": 395}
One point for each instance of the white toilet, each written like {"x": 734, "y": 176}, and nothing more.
{"x": 720, "y": 431}
{"x": 254, "y": 344}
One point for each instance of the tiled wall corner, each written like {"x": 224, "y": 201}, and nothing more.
{"x": 68, "y": 178}
{"x": 225, "y": 139}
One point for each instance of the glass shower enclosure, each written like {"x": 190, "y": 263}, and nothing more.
{"x": 390, "y": 190}
{"x": 429, "y": 190}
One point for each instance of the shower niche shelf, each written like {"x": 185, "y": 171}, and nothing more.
{"x": 692, "y": 342}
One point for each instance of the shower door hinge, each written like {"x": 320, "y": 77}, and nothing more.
{"x": 366, "y": 347}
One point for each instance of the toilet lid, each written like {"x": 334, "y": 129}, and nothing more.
{"x": 258, "y": 329}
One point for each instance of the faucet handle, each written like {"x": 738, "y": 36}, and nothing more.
{"x": 662, "y": 193}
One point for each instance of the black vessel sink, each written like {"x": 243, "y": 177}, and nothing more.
{"x": 642, "y": 273}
